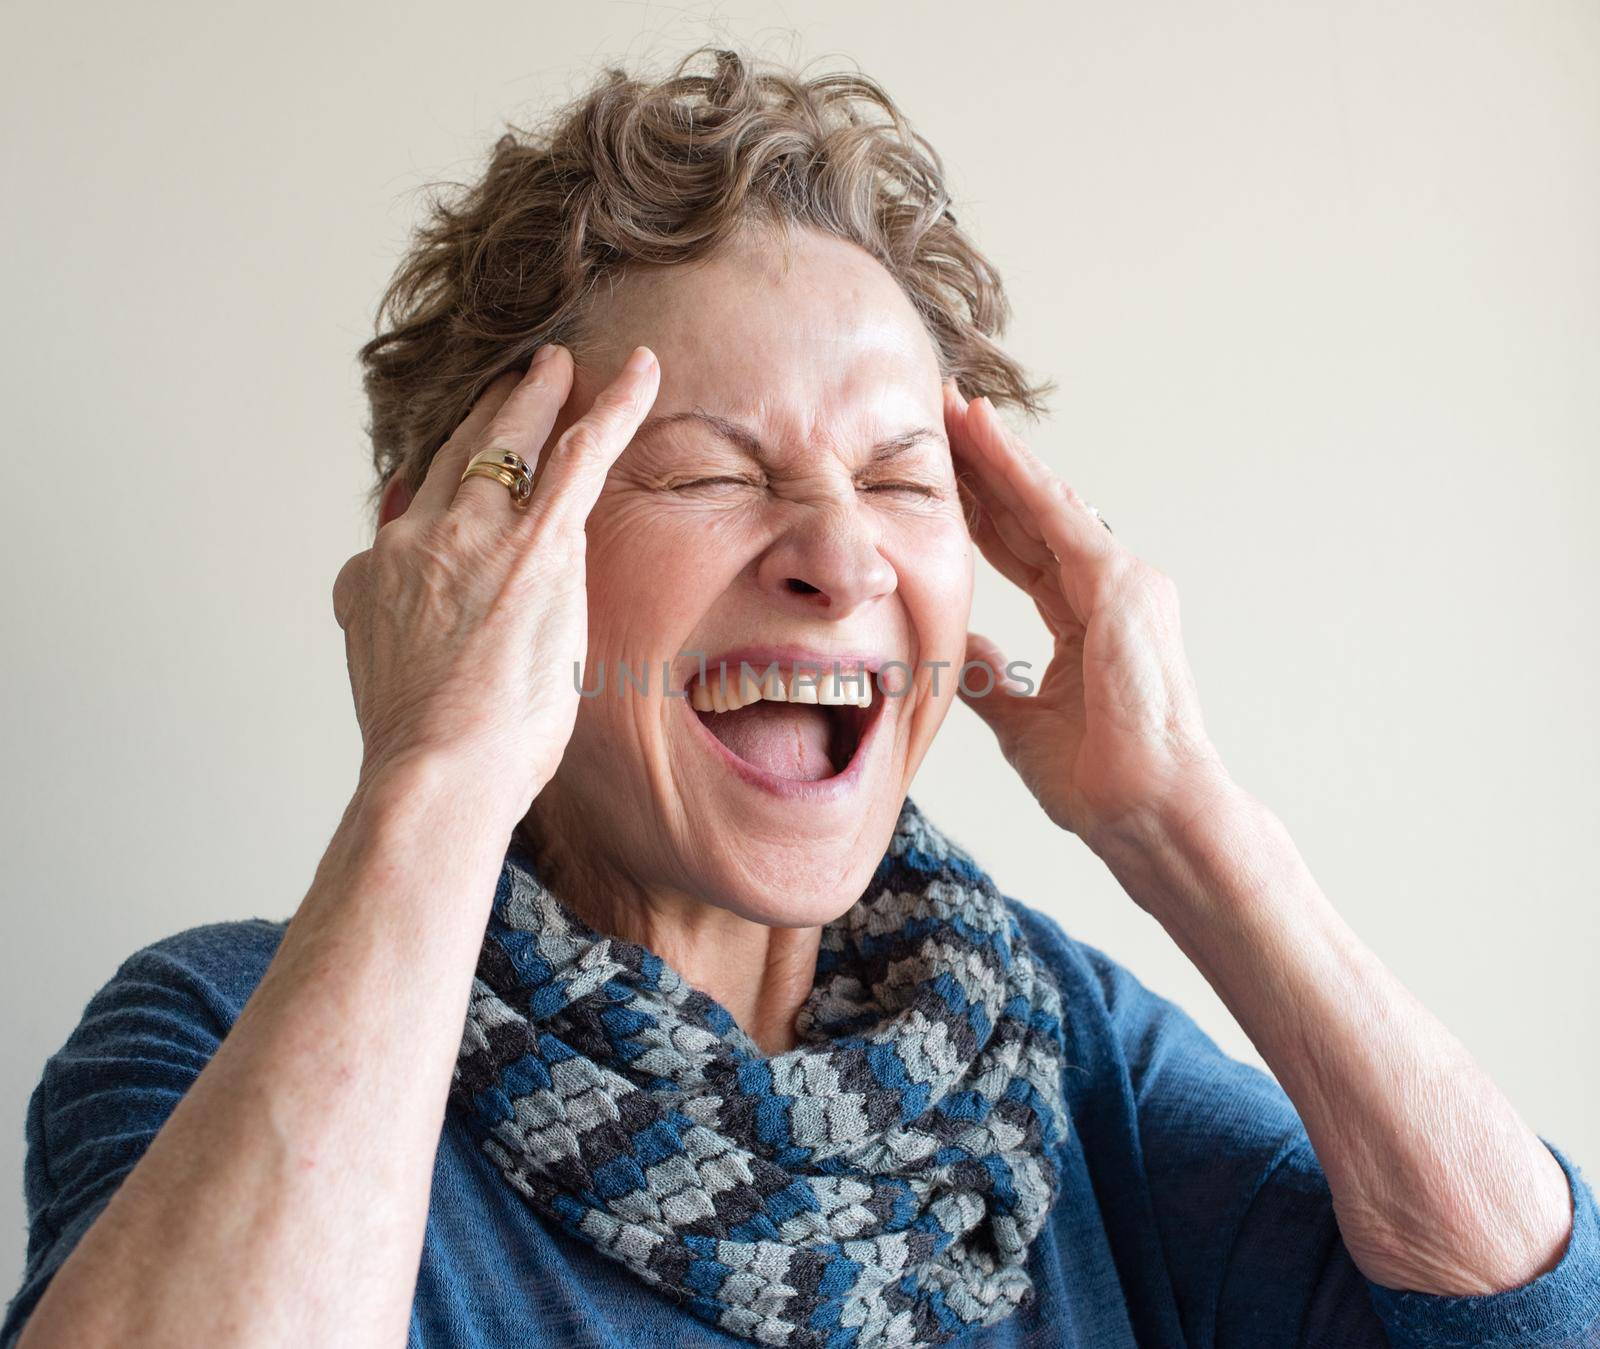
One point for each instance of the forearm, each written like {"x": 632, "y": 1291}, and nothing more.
{"x": 1437, "y": 1183}
{"x": 285, "y": 1198}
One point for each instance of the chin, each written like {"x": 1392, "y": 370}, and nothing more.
{"x": 806, "y": 882}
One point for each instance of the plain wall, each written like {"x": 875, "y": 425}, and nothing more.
{"x": 1319, "y": 282}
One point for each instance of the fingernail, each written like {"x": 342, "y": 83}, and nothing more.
{"x": 545, "y": 353}
{"x": 641, "y": 360}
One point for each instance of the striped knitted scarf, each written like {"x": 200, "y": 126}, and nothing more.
{"x": 877, "y": 1185}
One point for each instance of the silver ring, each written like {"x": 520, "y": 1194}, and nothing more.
{"x": 1095, "y": 511}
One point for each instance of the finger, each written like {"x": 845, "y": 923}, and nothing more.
{"x": 987, "y": 651}
{"x": 980, "y": 498}
{"x": 444, "y": 473}
{"x": 1026, "y": 545}
{"x": 520, "y": 424}
{"x": 1020, "y": 557}
{"x": 1086, "y": 549}
{"x": 1002, "y": 557}
{"x": 954, "y": 399}
{"x": 1002, "y": 702}
{"x": 1042, "y": 586}
{"x": 968, "y": 450}
{"x": 575, "y": 468}
{"x": 1016, "y": 555}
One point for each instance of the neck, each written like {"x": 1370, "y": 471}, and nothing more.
{"x": 761, "y": 974}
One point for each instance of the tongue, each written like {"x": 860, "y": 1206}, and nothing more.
{"x": 789, "y": 740}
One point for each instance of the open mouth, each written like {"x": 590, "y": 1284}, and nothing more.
{"x": 797, "y": 722}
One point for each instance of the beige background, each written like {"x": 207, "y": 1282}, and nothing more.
{"x": 1321, "y": 285}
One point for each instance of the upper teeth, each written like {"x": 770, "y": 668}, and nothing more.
{"x": 729, "y": 690}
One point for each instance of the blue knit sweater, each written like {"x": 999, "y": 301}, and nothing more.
{"x": 1193, "y": 1211}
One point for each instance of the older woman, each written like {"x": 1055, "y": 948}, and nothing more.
{"x": 681, "y": 495}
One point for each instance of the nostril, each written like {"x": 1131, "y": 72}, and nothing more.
{"x": 800, "y": 587}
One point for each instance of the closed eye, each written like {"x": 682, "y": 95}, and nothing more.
{"x": 715, "y": 482}
{"x": 693, "y": 484}
{"x": 918, "y": 488}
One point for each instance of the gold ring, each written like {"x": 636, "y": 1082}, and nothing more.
{"x": 506, "y": 467}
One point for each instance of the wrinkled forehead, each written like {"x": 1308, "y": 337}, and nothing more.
{"x": 812, "y": 339}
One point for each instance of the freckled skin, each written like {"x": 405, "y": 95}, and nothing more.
{"x": 821, "y": 356}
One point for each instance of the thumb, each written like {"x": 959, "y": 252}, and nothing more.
{"x": 998, "y": 698}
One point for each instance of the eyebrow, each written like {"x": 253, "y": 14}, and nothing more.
{"x": 746, "y": 441}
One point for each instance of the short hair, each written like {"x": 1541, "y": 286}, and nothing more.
{"x": 657, "y": 172}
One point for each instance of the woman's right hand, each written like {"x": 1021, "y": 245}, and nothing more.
{"x": 464, "y": 619}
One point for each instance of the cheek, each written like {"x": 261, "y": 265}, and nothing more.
{"x": 651, "y": 575}
{"x": 650, "y": 578}
{"x": 934, "y": 566}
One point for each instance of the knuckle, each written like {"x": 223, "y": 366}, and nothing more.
{"x": 1142, "y": 576}
{"x": 1156, "y": 588}
{"x": 348, "y": 585}
{"x": 1116, "y": 578}
{"x": 393, "y": 538}
{"x": 1154, "y": 578}
{"x": 424, "y": 556}
{"x": 580, "y": 440}
{"x": 1166, "y": 592}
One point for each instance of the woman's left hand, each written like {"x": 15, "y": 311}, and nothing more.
{"x": 1113, "y": 747}
{"x": 1112, "y": 742}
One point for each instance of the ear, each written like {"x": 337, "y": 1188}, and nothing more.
{"x": 396, "y": 497}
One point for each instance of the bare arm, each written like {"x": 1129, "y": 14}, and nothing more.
{"x": 284, "y": 1200}
{"x": 1438, "y": 1184}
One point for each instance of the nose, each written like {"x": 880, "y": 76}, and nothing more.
{"x": 826, "y": 565}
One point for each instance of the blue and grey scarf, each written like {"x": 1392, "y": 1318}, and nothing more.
{"x": 877, "y": 1185}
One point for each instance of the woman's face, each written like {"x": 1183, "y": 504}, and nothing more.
{"x": 791, "y": 498}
